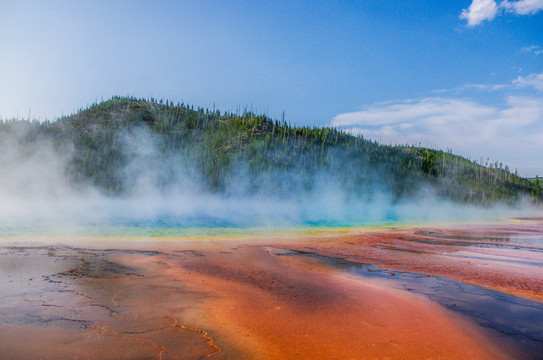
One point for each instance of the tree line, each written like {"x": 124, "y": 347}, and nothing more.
{"x": 275, "y": 156}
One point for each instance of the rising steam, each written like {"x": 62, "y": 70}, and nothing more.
{"x": 166, "y": 190}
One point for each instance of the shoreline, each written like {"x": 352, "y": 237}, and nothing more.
{"x": 249, "y": 299}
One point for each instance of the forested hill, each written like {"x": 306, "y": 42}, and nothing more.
{"x": 110, "y": 144}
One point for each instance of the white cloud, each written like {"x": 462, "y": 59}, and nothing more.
{"x": 523, "y": 7}
{"x": 481, "y": 10}
{"x": 511, "y": 133}
{"x": 532, "y": 80}
{"x": 481, "y": 87}
{"x": 432, "y": 110}
{"x": 536, "y": 49}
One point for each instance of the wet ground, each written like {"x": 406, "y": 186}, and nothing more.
{"x": 511, "y": 320}
{"x": 506, "y": 258}
{"x": 470, "y": 292}
{"x": 76, "y": 303}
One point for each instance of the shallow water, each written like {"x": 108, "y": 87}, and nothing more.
{"x": 504, "y": 257}
{"x": 183, "y": 226}
{"x": 510, "y": 319}
{"x": 510, "y": 255}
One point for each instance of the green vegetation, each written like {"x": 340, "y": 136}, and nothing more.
{"x": 270, "y": 157}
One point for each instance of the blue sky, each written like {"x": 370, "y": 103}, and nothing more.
{"x": 461, "y": 75}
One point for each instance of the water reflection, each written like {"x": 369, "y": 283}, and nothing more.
{"x": 511, "y": 320}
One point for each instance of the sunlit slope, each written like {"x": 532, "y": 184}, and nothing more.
{"x": 123, "y": 145}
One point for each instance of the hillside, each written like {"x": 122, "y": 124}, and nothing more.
{"x": 112, "y": 144}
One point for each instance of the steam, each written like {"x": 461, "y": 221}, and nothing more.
{"x": 166, "y": 190}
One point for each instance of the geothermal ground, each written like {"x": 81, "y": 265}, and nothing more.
{"x": 445, "y": 292}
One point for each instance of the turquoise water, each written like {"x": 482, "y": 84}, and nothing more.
{"x": 168, "y": 226}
